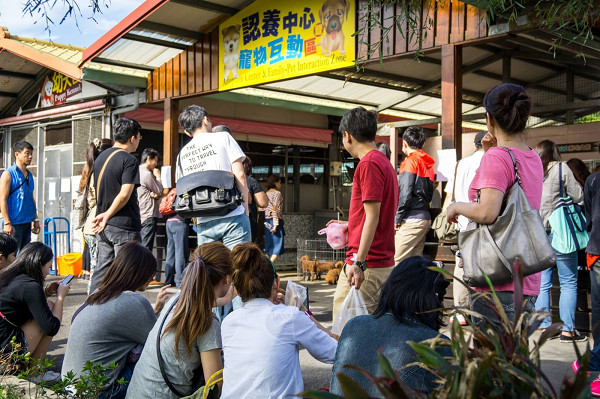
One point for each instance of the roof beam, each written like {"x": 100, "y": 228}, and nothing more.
{"x": 30, "y": 89}
{"x": 131, "y": 65}
{"x": 170, "y": 30}
{"x": 436, "y": 83}
{"x": 19, "y": 75}
{"x": 8, "y": 94}
{"x": 152, "y": 40}
{"x": 41, "y": 58}
{"x": 399, "y": 78}
{"x": 208, "y": 6}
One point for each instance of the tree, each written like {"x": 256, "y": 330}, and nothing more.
{"x": 42, "y": 9}
{"x": 572, "y": 21}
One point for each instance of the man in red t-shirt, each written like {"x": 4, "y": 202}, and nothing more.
{"x": 374, "y": 201}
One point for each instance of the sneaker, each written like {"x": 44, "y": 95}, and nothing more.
{"x": 49, "y": 377}
{"x": 595, "y": 387}
{"x": 460, "y": 318}
{"x": 575, "y": 366}
{"x": 576, "y": 337}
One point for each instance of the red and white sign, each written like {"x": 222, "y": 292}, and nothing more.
{"x": 57, "y": 89}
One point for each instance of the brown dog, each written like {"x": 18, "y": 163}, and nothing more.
{"x": 332, "y": 16}
{"x": 308, "y": 267}
{"x": 332, "y": 276}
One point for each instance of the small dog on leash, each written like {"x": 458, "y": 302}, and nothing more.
{"x": 308, "y": 267}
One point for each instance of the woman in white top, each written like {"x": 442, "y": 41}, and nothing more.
{"x": 556, "y": 171}
{"x": 261, "y": 340}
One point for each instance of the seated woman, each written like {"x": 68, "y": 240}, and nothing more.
{"x": 26, "y": 314}
{"x": 260, "y": 339}
{"x": 114, "y": 319}
{"x": 190, "y": 334}
{"x": 404, "y": 313}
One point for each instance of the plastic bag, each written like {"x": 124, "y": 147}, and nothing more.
{"x": 354, "y": 305}
{"x": 295, "y": 294}
{"x": 337, "y": 235}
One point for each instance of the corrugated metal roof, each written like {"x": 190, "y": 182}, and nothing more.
{"x": 65, "y": 52}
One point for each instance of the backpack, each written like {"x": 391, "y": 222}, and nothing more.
{"x": 166, "y": 207}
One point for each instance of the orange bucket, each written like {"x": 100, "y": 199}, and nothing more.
{"x": 70, "y": 264}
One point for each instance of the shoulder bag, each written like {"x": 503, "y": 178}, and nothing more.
{"x": 207, "y": 193}
{"x": 208, "y": 390}
{"x": 444, "y": 231}
{"x": 517, "y": 235}
{"x": 81, "y": 211}
{"x": 568, "y": 224}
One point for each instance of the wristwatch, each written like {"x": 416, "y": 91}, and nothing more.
{"x": 362, "y": 264}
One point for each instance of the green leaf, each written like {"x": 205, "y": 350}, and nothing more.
{"x": 350, "y": 388}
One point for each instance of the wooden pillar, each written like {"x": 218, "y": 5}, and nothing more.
{"x": 506, "y": 68}
{"x": 394, "y": 146}
{"x": 171, "y": 135}
{"x": 452, "y": 98}
{"x": 570, "y": 117}
{"x": 296, "y": 163}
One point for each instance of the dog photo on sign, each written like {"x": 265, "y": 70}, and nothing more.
{"x": 231, "y": 44}
{"x": 332, "y": 16}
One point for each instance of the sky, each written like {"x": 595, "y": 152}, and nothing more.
{"x": 88, "y": 31}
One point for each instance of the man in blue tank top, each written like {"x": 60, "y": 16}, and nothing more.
{"x": 17, "y": 203}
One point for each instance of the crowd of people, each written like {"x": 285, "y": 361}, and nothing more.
{"x": 227, "y": 313}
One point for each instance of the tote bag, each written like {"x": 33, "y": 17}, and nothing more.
{"x": 568, "y": 223}
{"x": 517, "y": 235}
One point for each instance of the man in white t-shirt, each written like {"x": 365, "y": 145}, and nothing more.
{"x": 465, "y": 172}
{"x": 214, "y": 151}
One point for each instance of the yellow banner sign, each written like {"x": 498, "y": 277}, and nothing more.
{"x": 270, "y": 41}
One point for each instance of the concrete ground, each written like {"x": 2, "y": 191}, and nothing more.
{"x": 556, "y": 357}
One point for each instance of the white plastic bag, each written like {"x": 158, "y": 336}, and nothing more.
{"x": 295, "y": 294}
{"x": 354, "y": 305}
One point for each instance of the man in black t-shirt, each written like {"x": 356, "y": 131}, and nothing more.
{"x": 118, "y": 213}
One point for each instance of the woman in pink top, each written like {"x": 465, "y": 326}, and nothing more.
{"x": 507, "y": 109}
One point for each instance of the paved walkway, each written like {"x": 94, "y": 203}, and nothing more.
{"x": 556, "y": 357}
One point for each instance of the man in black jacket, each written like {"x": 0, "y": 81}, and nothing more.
{"x": 415, "y": 192}
{"x": 591, "y": 199}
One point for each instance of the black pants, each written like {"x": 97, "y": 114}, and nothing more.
{"x": 148, "y": 232}
{"x": 22, "y": 233}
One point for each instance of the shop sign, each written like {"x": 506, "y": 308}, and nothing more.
{"x": 269, "y": 41}
{"x": 58, "y": 88}
{"x": 580, "y": 147}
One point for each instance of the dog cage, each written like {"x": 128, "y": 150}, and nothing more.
{"x": 317, "y": 250}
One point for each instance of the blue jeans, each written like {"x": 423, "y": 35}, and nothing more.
{"x": 595, "y": 359}
{"x": 508, "y": 304}
{"x": 177, "y": 251}
{"x": 116, "y": 391}
{"x": 231, "y": 231}
{"x": 566, "y": 264}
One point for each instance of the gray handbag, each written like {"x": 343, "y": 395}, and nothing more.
{"x": 517, "y": 235}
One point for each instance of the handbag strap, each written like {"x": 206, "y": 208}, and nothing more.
{"x": 561, "y": 185}
{"x": 514, "y": 161}
{"x": 104, "y": 167}
{"x": 454, "y": 182}
{"x": 26, "y": 179}
{"x": 161, "y": 363}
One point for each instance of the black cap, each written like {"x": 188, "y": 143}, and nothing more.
{"x": 478, "y": 137}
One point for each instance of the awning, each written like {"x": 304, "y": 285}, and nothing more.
{"x": 246, "y": 130}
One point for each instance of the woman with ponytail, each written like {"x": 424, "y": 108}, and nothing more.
{"x": 261, "y": 340}
{"x": 190, "y": 334}
{"x": 507, "y": 108}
